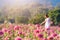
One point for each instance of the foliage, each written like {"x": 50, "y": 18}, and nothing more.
{"x": 21, "y": 20}
{"x": 1, "y": 19}
{"x": 55, "y": 15}
{"x": 37, "y": 19}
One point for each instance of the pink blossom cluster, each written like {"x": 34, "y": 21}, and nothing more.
{"x": 28, "y": 32}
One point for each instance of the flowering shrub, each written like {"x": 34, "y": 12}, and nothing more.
{"x": 28, "y": 32}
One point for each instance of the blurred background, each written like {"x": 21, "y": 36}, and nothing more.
{"x": 29, "y": 11}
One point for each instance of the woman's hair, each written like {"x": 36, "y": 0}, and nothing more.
{"x": 46, "y": 15}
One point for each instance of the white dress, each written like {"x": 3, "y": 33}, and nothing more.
{"x": 47, "y": 22}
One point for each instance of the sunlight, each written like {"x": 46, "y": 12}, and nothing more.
{"x": 20, "y": 2}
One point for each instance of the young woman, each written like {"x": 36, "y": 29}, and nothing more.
{"x": 47, "y": 22}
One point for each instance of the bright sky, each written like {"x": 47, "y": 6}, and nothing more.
{"x": 22, "y": 2}
{"x": 13, "y": 2}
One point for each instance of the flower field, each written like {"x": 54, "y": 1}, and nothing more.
{"x": 28, "y": 32}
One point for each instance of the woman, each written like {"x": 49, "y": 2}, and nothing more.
{"x": 47, "y": 22}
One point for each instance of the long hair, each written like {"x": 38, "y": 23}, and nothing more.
{"x": 46, "y": 15}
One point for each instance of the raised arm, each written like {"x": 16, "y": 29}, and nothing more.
{"x": 43, "y": 22}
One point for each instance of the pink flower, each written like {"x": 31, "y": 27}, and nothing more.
{"x": 6, "y": 38}
{"x": 40, "y": 35}
{"x": 37, "y": 25}
{"x": 16, "y": 27}
{"x": 52, "y": 31}
{"x": 48, "y": 33}
{"x": 36, "y": 32}
{"x": 9, "y": 31}
{"x": 45, "y": 39}
{"x": 29, "y": 24}
{"x": 4, "y": 30}
{"x": 19, "y": 33}
{"x": 58, "y": 37}
{"x": 11, "y": 26}
{"x": 50, "y": 38}
{"x": 1, "y": 33}
{"x": 54, "y": 34}
{"x": 18, "y": 38}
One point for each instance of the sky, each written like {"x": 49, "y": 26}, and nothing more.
{"x": 22, "y": 2}
{"x": 55, "y": 2}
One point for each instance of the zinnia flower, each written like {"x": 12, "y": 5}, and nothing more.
{"x": 45, "y": 39}
{"x": 54, "y": 34}
{"x": 50, "y": 38}
{"x": 40, "y": 35}
{"x": 36, "y": 32}
{"x": 1, "y": 33}
{"x": 16, "y": 27}
{"x": 4, "y": 30}
{"x": 37, "y": 25}
{"x": 18, "y": 38}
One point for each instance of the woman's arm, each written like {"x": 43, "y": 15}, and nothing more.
{"x": 43, "y": 22}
